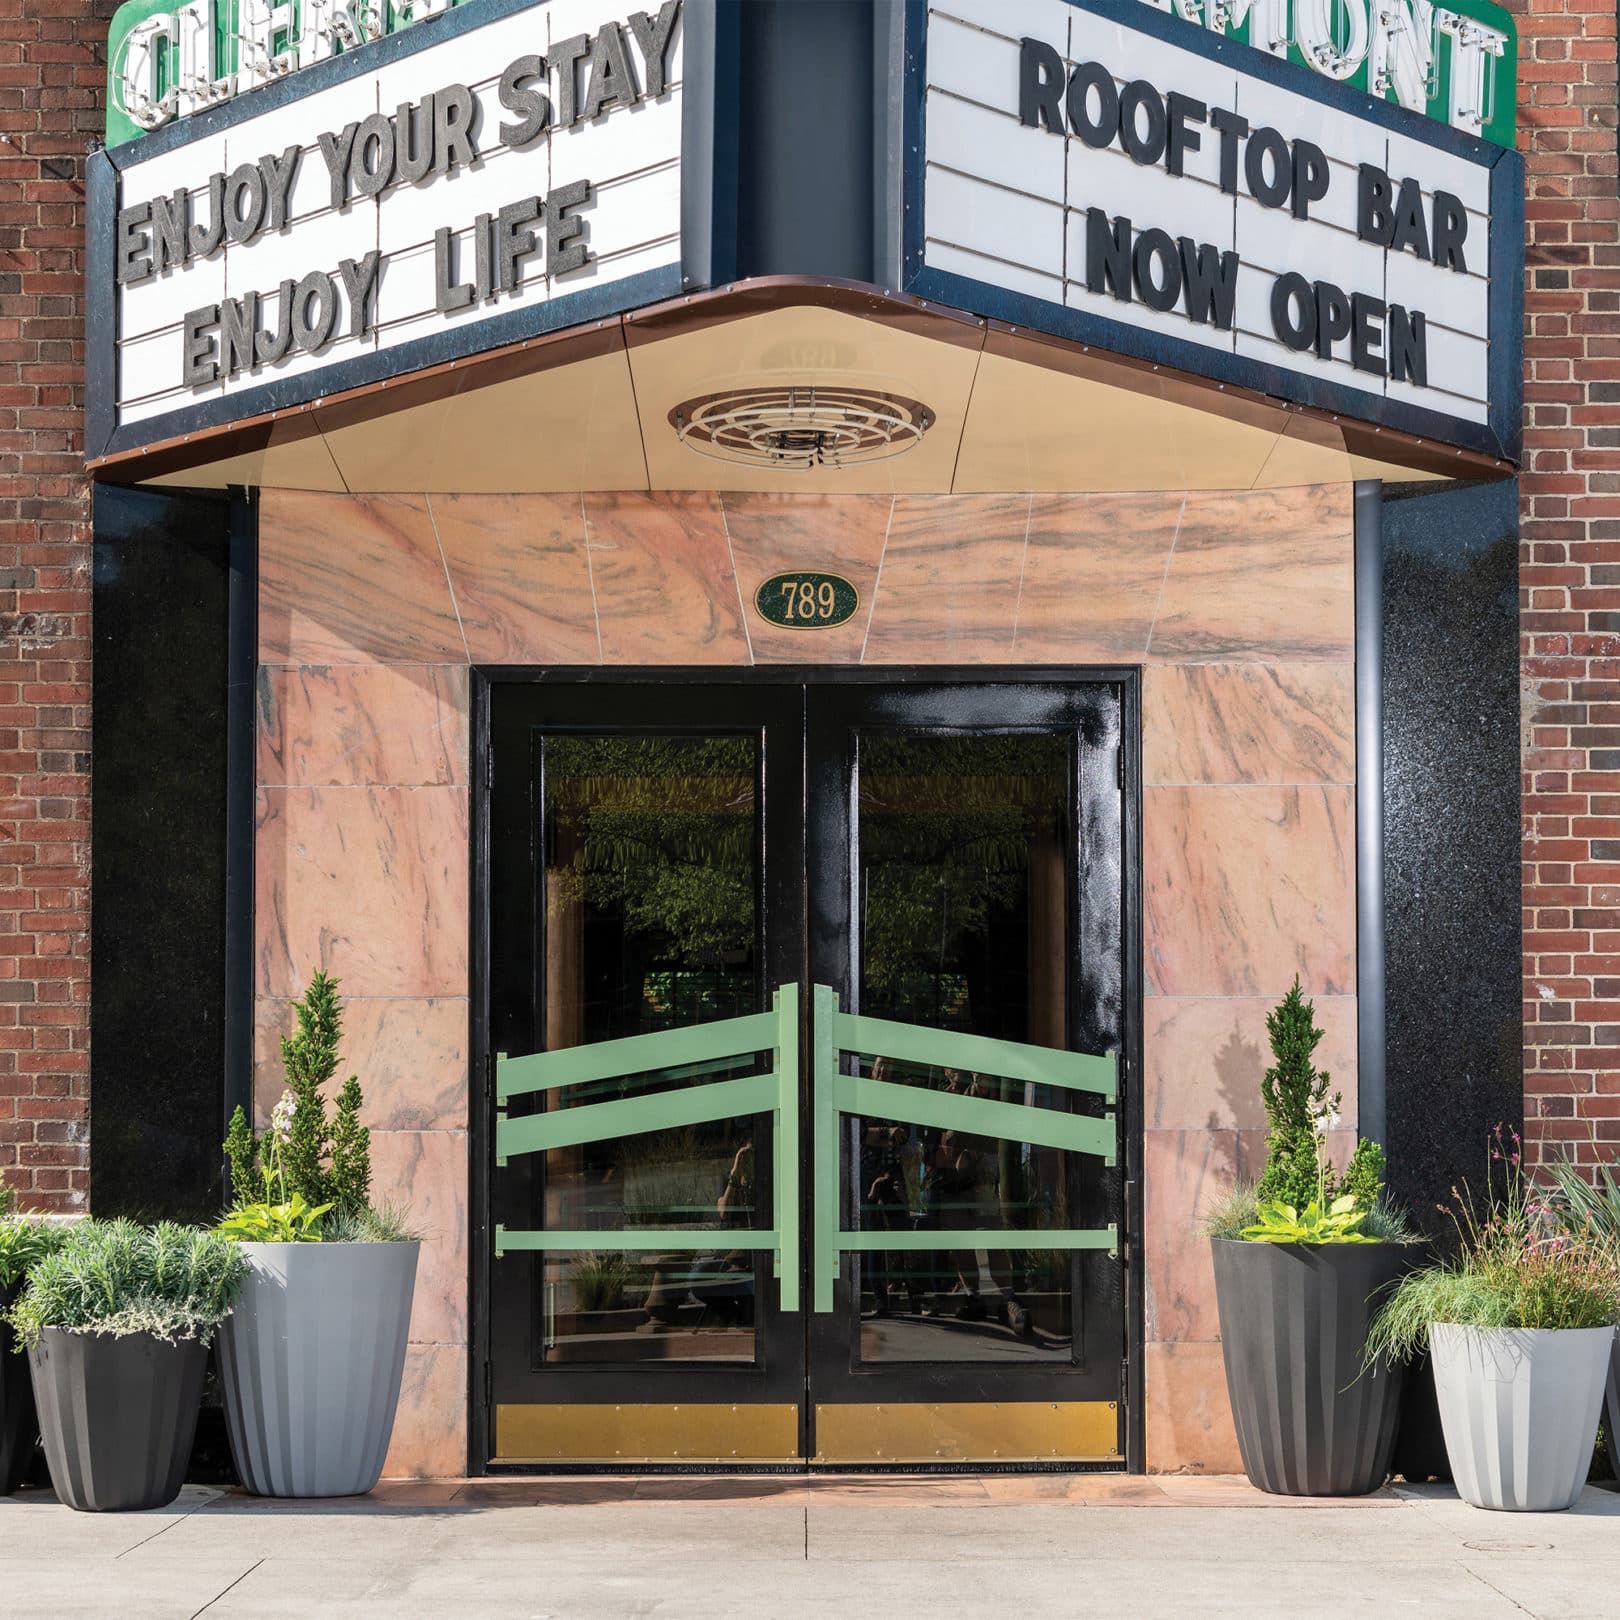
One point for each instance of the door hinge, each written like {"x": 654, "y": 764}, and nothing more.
{"x": 1119, "y": 767}
{"x": 489, "y": 1386}
{"x": 489, "y": 768}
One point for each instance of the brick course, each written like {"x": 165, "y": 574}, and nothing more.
{"x": 52, "y": 77}
{"x": 1570, "y": 578}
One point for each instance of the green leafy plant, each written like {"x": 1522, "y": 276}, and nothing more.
{"x": 117, "y": 1277}
{"x": 1239, "y": 1207}
{"x": 387, "y": 1223}
{"x": 1300, "y": 1111}
{"x": 8, "y": 1199}
{"x": 291, "y": 1222}
{"x": 1341, "y": 1222}
{"x": 322, "y": 1160}
{"x": 23, "y": 1244}
{"x": 1521, "y": 1263}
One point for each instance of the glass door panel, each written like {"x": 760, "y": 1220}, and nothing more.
{"x": 651, "y": 919}
{"x": 962, "y": 923}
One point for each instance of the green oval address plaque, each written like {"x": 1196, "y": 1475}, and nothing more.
{"x": 807, "y": 600}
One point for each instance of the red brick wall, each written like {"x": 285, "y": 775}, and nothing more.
{"x": 52, "y": 73}
{"x": 1570, "y": 578}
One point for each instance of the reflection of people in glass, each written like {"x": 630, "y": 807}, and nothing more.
{"x": 722, "y": 1284}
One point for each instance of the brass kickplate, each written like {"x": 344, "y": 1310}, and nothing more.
{"x": 697, "y": 1433}
{"x": 969, "y": 1431}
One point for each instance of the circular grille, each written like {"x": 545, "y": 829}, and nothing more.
{"x": 800, "y": 427}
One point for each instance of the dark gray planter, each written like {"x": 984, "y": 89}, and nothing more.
{"x": 19, "y": 1427}
{"x": 1294, "y": 1321}
{"x": 310, "y": 1363}
{"x": 1611, "y": 1410}
{"x": 117, "y": 1416}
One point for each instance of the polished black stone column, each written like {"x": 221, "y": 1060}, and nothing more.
{"x": 161, "y": 599}
{"x": 1451, "y": 834}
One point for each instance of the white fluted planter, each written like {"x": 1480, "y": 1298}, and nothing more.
{"x": 1519, "y": 1407}
{"x": 310, "y": 1362}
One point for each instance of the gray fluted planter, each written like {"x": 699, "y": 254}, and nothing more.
{"x": 117, "y": 1415}
{"x": 1294, "y": 1319}
{"x": 1520, "y": 1409}
{"x": 310, "y": 1363}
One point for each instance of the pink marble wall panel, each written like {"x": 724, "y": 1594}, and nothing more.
{"x": 410, "y": 1056}
{"x": 840, "y": 534}
{"x": 666, "y": 592}
{"x": 430, "y": 1431}
{"x": 403, "y": 725}
{"x": 1267, "y": 575}
{"x": 1244, "y": 887}
{"x": 425, "y": 1172}
{"x": 1189, "y": 1418}
{"x": 1203, "y": 1059}
{"x": 353, "y": 579}
{"x": 522, "y": 577}
{"x": 1231, "y": 723}
{"x": 1093, "y": 571}
{"x": 369, "y": 883}
{"x": 948, "y": 589}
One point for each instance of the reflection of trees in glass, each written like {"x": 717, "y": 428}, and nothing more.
{"x": 661, "y": 831}
{"x": 946, "y": 829}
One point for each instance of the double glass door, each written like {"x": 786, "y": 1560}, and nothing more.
{"x": 804, "y": 1140}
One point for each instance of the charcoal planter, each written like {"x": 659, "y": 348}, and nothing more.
{"x": 117, "y": 1415}
{"x": 1294, "y": 1319}
{"x": 1520, "y": 1409}
{"x": 1611, "y": 1411}
{"x": 310, "y": 1363}
{"x": 19, "y": 1427}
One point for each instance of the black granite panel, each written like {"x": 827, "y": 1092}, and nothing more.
{"x": 157, "y": 939}
{"x": 1451, "y": 851}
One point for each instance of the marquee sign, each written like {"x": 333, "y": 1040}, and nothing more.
{"x": 490, "y": 170}
{"x": 1100, "y": 171}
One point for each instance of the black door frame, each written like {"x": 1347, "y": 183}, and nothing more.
{"x": 485, "y": 678}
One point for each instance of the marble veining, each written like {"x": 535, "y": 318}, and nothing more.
{"x": 521, "y": 575}
{"x": 1232, "y": 723}
{"x": 948, "y": 589}
{"x": 403, "y": 725}
{"x": 665, "y": 589}
{"x": 352, "y": 579}
{"x": 1264, "y": 574}
{"x": 370, "y": 884}
{"x": 1244, "y": 887}
{"x": 1092, "y": 575}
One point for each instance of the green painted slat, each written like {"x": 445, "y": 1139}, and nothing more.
{"x": 949, "y": 1049}
{"x": 635, "y": 1116}
{"x": 977, "y": 1116}
{"x": 634, "y": 1239}
{"x": 634, "y": 1054}
{"x": 1101, "y": 1237}
{"x": 786, "y": 1136}
{"x": 824, "y": 1183}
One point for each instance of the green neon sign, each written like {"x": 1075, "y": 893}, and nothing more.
{"x": 1455, "y": 62}
{"x": 167, "y": 59}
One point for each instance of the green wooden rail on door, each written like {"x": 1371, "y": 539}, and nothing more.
{"x": 834, "y": 1033}
{"x": 692, "y": 1049}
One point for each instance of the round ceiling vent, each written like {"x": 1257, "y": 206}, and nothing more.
{"x": 800, "y": 427}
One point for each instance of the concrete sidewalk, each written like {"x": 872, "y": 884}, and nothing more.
{"x": 859, "y": 1549}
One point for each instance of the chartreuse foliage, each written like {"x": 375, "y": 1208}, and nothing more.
{"x": 309, "y": 1164}
{"x": 117, "y": 1277}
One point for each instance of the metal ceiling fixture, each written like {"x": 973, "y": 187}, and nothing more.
{"x": 800, "y": 426}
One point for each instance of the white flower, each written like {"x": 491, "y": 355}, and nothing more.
{"x": 281, "y": 1117}
{"x": 1327, "y": 1120}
